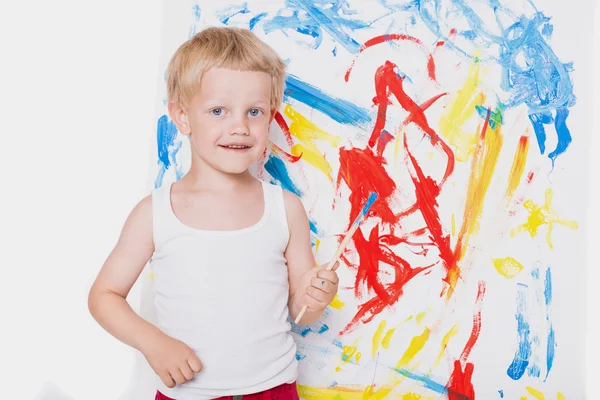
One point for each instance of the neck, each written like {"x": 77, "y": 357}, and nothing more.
{"x": 206, "y": 178}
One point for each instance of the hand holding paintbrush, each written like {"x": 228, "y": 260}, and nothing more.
{"x": 334, "y": 261}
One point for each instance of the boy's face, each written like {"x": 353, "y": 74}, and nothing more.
{"x": 228, "y": 119}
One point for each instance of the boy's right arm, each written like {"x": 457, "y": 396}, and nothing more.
{"x": 171, "y": 359}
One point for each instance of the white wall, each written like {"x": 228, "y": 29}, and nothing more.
{"x": 77, "y": 84}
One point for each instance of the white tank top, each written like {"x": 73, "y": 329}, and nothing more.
{"x": 224, "y": 294}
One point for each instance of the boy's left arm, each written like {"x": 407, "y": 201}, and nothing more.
{"x": 310, "y": 285}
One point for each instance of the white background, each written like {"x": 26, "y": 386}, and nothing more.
{"x": 77, "y": 96}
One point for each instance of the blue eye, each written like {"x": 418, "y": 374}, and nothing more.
{"x": 217, "y": 111}
{"x": 255, "y": 112}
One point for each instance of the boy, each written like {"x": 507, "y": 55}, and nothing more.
{"x": 231, "y": 255}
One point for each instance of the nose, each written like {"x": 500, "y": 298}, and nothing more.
{"x": 239, "y": 126}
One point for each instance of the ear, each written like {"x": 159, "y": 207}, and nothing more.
{"x": 180, "y": 118}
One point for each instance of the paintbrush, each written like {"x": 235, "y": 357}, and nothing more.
{"x": 361, "y": 216}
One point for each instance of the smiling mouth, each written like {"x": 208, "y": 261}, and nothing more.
{"x": 235, "y": 147}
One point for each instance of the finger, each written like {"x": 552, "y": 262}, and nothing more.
{"x": 167, "y": 380}
{"x": 330, "y": 276}
{"x": 186, "y": 371}
{"x": 323, "y": 285}
{"x": 335, "y": 266}
{"x": 177, "y": 375}
{"x": 317, "y": 294}
{"x": 194, "y": 363}
{"x": 311, "y": 303}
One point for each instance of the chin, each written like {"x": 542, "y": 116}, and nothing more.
{"x": 235, "y": 169}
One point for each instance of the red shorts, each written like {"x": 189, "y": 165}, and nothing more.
{"x": 287, "y": 391}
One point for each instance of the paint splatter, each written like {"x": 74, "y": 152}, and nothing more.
{"x": 521, "y": 360}
{"x": 542, "y": 215}
{"x": 166, "y": 133}
{"x": 508, "y": 267}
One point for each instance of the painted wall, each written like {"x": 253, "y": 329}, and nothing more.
{"x": 87, "y": 142}
{"x": 469, "y": 122}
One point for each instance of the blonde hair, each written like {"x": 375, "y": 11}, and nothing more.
{"x": 222, "y": 47}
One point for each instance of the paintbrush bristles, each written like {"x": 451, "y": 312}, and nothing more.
{"x": 344, "y": 243}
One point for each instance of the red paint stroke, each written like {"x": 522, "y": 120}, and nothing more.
{"x": 386, "y": 78}
{"x": 284, "y": 155}
{"x": 371, "y": 253}
{"x": 460, "y": 386}
{"x": 427, "y": 191}
{"x": 530, "y": 177}
{"x": 387, "y": 38}
{"x": 284, "y": 127}
{"x": 476, "y": 323}
{"x": 384, "y": 138}
{"x": 364, "y": 172}
{"x": 431, "y": 68}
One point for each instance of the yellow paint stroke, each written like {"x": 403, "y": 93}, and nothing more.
{"x": 508, "y": 267}
{"x": 385, "y": 343}
{"x": 151, "y": 276}
{"x": 307, "y": 132}
{"x": 411, "y": 396}
{"x": 560, "y": 396}
{"x": 518, "y": 166}
{"x": 416, "y": 344}
{"x": 336, "y": 303}
{"x": 334, "y": 393}
{"x": 535, "y": 393}
{"x": 459, "y": 109}
{"x": 420, "y": 317}
{"x": 377, "y": 338}
{"x": 541, "y": 215}
{"x": 317, "y": 244}
{"x": 523, "y": 398}
{"x": 482, "y": 170}
{"x": 453, "y": 221}
{"x": 379, "y": 394}
{"x": 445, "y": 340}
{"x": 347, "y": 353}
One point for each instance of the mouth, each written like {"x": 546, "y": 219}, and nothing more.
{"x": 235, "y": 147}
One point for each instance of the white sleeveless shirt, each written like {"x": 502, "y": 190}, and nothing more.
{"x": 225, "y": 294}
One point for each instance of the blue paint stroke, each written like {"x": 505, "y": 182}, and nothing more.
{"x": 197, "y": 12}
{"x": 521, "y": 360}
{"x": 313, "y": 227}
{"x": 501, "y": 393}
{"x": 300, "y": 357}
{"x": 323, "y": 329}
{"x": 226, "y": 14}
{"x": 278, "y": 171}
{"x": 563, "y": 133}
{"x": 339, "y": 110}
{"x": 538, "y": 121}
{"x": 305, "y": 332}
{"x": 255, "y": 19}
{"x": 427, "y": 382}
{"x": 334, "y": 51}
{"x": 312, "y": 17}
{"x": 532, "y": 74}
{"x": 166, "y": 133}
{"x": 551, "y": 340}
